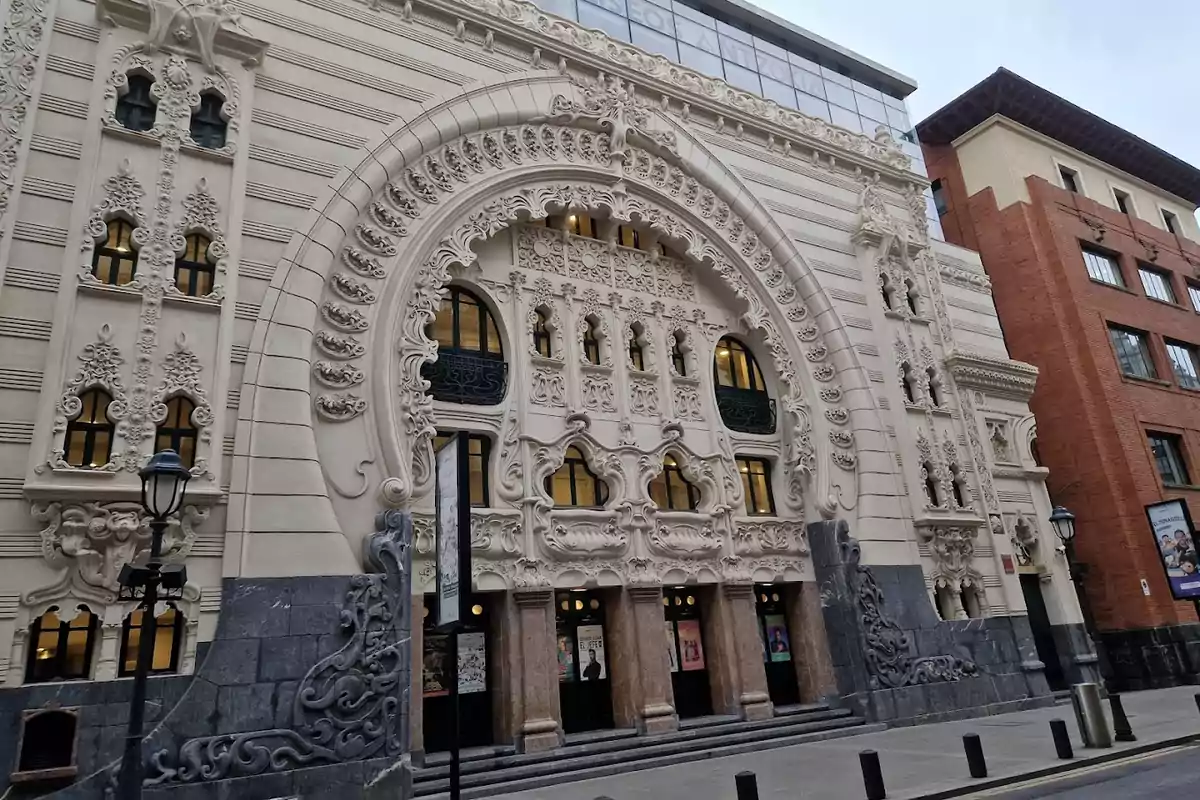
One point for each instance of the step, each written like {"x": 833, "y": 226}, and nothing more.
{"x": 656, "y": 749}
{"x": 440, "y": 769}
{"x": 568, "y": 773}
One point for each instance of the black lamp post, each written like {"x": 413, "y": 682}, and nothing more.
{"x": 1064, "y": 527}
{"x": 163, "y": 481}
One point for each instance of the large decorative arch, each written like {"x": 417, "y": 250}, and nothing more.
{"x": 468, "y": 167}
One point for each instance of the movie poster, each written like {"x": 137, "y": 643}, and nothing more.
{"x": 436, "y": 673}
{"x": 472, "y": 663}
{"x": 591, "y": 652}
{"x": 672, "y": 648}
{"x": 691, "y": 650}
{"x": 1172, "y": 527}
{"x": 778, "y": 646}
{"x": 566, "y": 658}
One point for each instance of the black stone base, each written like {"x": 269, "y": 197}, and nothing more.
{"x": 1153, "y": 658}
{"x": 1076, "y": 655}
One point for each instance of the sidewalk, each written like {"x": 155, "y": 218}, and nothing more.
{"x": 916, "y": 762}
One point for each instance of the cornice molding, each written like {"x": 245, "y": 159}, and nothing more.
{"x": 195, "y": 28}
{"x": 997, "y": 376}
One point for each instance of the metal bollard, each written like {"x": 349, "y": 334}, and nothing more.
{"x": 747, "y": 786}
{"x": 1062, "y": 739}
{"x": 872, "y": 775}
{"x": 1121, "y": 728}
{"x": 1198, "y": 700}
{"x": 975, "y": 761}
{"x": 1089, "y": 712}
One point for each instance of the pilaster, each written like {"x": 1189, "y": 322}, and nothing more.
{"x": 539, "y": 727}
{"x": 737, "y": 613}
{"x": 655, "y": 700}
{"x": 810, "y": 646}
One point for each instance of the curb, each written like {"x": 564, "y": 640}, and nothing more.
{"x": 1058, "y": 769}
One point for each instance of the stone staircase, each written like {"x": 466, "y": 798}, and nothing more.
{"x": 493, "y": 771}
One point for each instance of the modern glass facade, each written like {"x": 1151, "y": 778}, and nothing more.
{"x": 816, "y": 87}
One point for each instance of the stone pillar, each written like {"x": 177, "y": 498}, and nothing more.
{"x": 504, "y": 654}
{"x": 641, "y": 612}
{"x": 810, "y": 648}
{"x": 740, "y": 621}
{"x": 416, "y": 692}
{"x": 539, "y": 728}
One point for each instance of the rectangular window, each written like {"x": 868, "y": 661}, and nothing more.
{"x": 939, "y": 196}
{"x": 1103, "y": 267}
{"x": 1157, "y": 284}
{"x": 1168, "y": 457}
{"x": 1171, "y": 222}
{"x": 1070, "y": 179}
{"x": 1183, "y": 363}
{"x": 481, "y": 447}
{"x": 1124, "y": 204}
{"x": 756, "y": 484}
{"x": 1194, "y": 293}
{"x": 1133, "y": 352}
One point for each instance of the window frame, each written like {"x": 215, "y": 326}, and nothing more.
{"x": 1107, "y": 259}
{"x": 127, "y": 628}
{"x": 669, "y": 473}
{"x": 739, "y": 351}
{"x": 938, "y": 193}
{"x": 601, "y": 494}
{"x": 1194, "y": 295}
{"x": 541, "y": 334}
{"x": 1124, "y": 198}
{"x": 1170, "y": 221}
{"x": 116, "y": 256}
{"x": 200, "y": 265}
{"x": 1186, "y": 380}
{"x": 1146, "y": 272}
{"x": 745, "y": 466}
{"x": 65, "y": 628}
{"x": 90, "y": 428}
{"x": 138, "y": 103}
{"x": 678, "y": 355}
{"x": 484, "y": 456}
{"x": 637, "y": 350}
{"x": 1144, "y": 351}
{"x": 1173, "y": 451}
{"x": 178, "y": 430}
{"x": 1069, "y": 179}
{"x": 591, "y": 340}
{"x": 208, "y": 122}
{"x": 455, "y": 299}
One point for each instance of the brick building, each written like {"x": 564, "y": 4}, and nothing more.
{"x": 1089, "y": 237}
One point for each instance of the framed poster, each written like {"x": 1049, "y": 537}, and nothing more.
{"x": 691, "y": 648}
{"x": 778, "y": 646}
{"x": 566, "y": 658}
{"x": 1175, "y": 540}
{"x": 453, "y": 519}
{"x": 436, "y": 669}
{"x": 591, "y": 652}
{"x": 672, "y": 647}
{"x": 472, "y": 662}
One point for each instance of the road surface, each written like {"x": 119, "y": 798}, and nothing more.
{"x": 1171, "y": 774}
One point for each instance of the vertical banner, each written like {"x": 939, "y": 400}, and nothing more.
{"x": 591, "y": 652}
{"x": 1174, "y": 538}
{"x": 778, "y": 646}
{"x": 453, "y": 512}
{"x": 691, "y": 648}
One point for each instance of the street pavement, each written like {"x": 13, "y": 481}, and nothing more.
{"x": 917, "y": 762}
{"x": 1169, "y": 774}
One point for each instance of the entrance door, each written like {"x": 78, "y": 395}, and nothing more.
{"x": 782, "y": 684}
{"x": 584, "y": 686}
{"x": 1043, "y": 635}
{"x": 474, "y": 684}
{"x": 685, "y": 646}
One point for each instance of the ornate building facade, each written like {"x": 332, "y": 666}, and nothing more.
{"x": 716, "y": 372}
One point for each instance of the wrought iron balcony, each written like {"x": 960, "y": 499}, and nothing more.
{"x": 746, "y": 410}
{"x": 466, "y": 376}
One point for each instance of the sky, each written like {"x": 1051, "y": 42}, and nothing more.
{"x": 1135, "y": 63}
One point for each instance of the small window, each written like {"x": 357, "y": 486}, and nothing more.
{"x": 885, "y": 290}
{"x": 1102, "y": 267}
{"x": 168, "y": 642}
{"x": 47, "y": 745}
{"x": 1124, "y": 204}
{"x": 114, "y": 261}
{"x": 931, "y": 490}
{"x": 910, "y": 296}
{"x": 637, "y": 353}
{"x": 1184, "y": 363}
{"x": 1157, "y": 284}
{"x": 1070, "y": 179}
{"x": 908, "y": 383}
{"x": 177, "y": 432}
{"x": 194, "y": 271}
{"x": 480, "y": 449}
{"x": 1194, "y": 294}
{"x": 541, "y": 334}
{"x": 574, "y": 484}
{"x": 627, "y": 236}
{"x": 1133, "y": 352}
{"x": 582, "y": 225}
{"x": 956, "y": 486}
{"x": 935, "y": 392}
{"x": 591, "y": 341}
{"x": 208, "y": 127}
{"x": 670, "y": 490}
{"x": 1168, "y": 457}
{"x": 61, "y": 650}
{"x": 135, "y": 108}
{"x": 88, "y": 441}
{"x": 939, "y": 197}
{"x": 1171, "y": 221}
{"x": 756, "y": 483}
{"x": 678, "y": 356}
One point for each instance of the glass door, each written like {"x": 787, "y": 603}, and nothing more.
{"x": 782, "y": 685}
{"x": 685, "y": 646}
{"x": 584, "y": 685}
{"x": 474, "y": 684}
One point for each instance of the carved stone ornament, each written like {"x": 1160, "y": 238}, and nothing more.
{"x": 91, "y": 541}
{"x": 339, "y": 407}
{"x": 1024, "y": 540}
{"x": 181, "y": 376}
{"x": 349, "y": 705}
{"x": 753, "y": 538}
{"x": 998, "y": 435}
{"x": 202, "y": 214}
{"x": 682, "y": 540}
{"x": 548, "y": 388}
{"x": 123, "y": 196}
{"x": 583, "y": 539}
{"x": 21, "y": 43}
{"x": 615, "y": 108}
{"x": 952, "y": 549}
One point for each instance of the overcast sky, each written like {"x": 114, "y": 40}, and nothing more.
{"x": 1136, "y": 64}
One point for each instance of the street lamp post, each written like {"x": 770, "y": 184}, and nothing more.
{"x": 1064, "y": 527}
{"x": 163, "y": 481}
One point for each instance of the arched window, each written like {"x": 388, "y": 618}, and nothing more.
{"x": 931, "y": 491}
{"x": 90, "y": 434}
{"x": 591, "y": 341}
{"x": 177, "y": 432}
{"x": 114, "y": 261}
{"x": 885, "y": 289}
{"x": 678, "y": 355}
{"x": 972, "y": 598}
{"x": 910, "y": 294}
{"x": 637, "y": 353}
{"x": 908, "y": 382}
{"x": 167, "y": 635}
{"x": 208, "y": 127}
{"x": 541, "y": 334}
{"x": 935, "y": 387}
{"x": 670, "y": 490}
{"x": 135, "y": 108}
{"x": 470, "y": 365}
{"x": 946, "y": 603}
{"x": 957, "y": 480}
{"x": 741, "y": 391}
{"x": 194, "y": 271}
{"x": 574, "y": 484}
{"x": 61, "y": 650}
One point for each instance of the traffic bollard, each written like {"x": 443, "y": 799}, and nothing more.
{"x": 872, "y": 775}
{"x": 1121, "y": 728}
{"x": 1062, "y": 739}
{"x": 974, "y": 750}
{"x": 1198, "y": 701}
{"x": 747, "y": 786}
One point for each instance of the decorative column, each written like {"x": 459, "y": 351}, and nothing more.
{"x": 539, "y": 728}
{"x": 416, "y": 692}
{"x": 746, "y": 653}
{"x": 656, "y": 700}
{"x": 810, "y": 647}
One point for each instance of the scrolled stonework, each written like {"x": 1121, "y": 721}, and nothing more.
{"x": 757, "y": 538}
{"x": 585, "y": 539}
{"x": 952, "y": 549}
{"x": 339, "y": 407}
{"x": 181, "y": 376}
{"x": 122, "y": 199}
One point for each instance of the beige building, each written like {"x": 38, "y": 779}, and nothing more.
{"x": 694, "y": 333}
